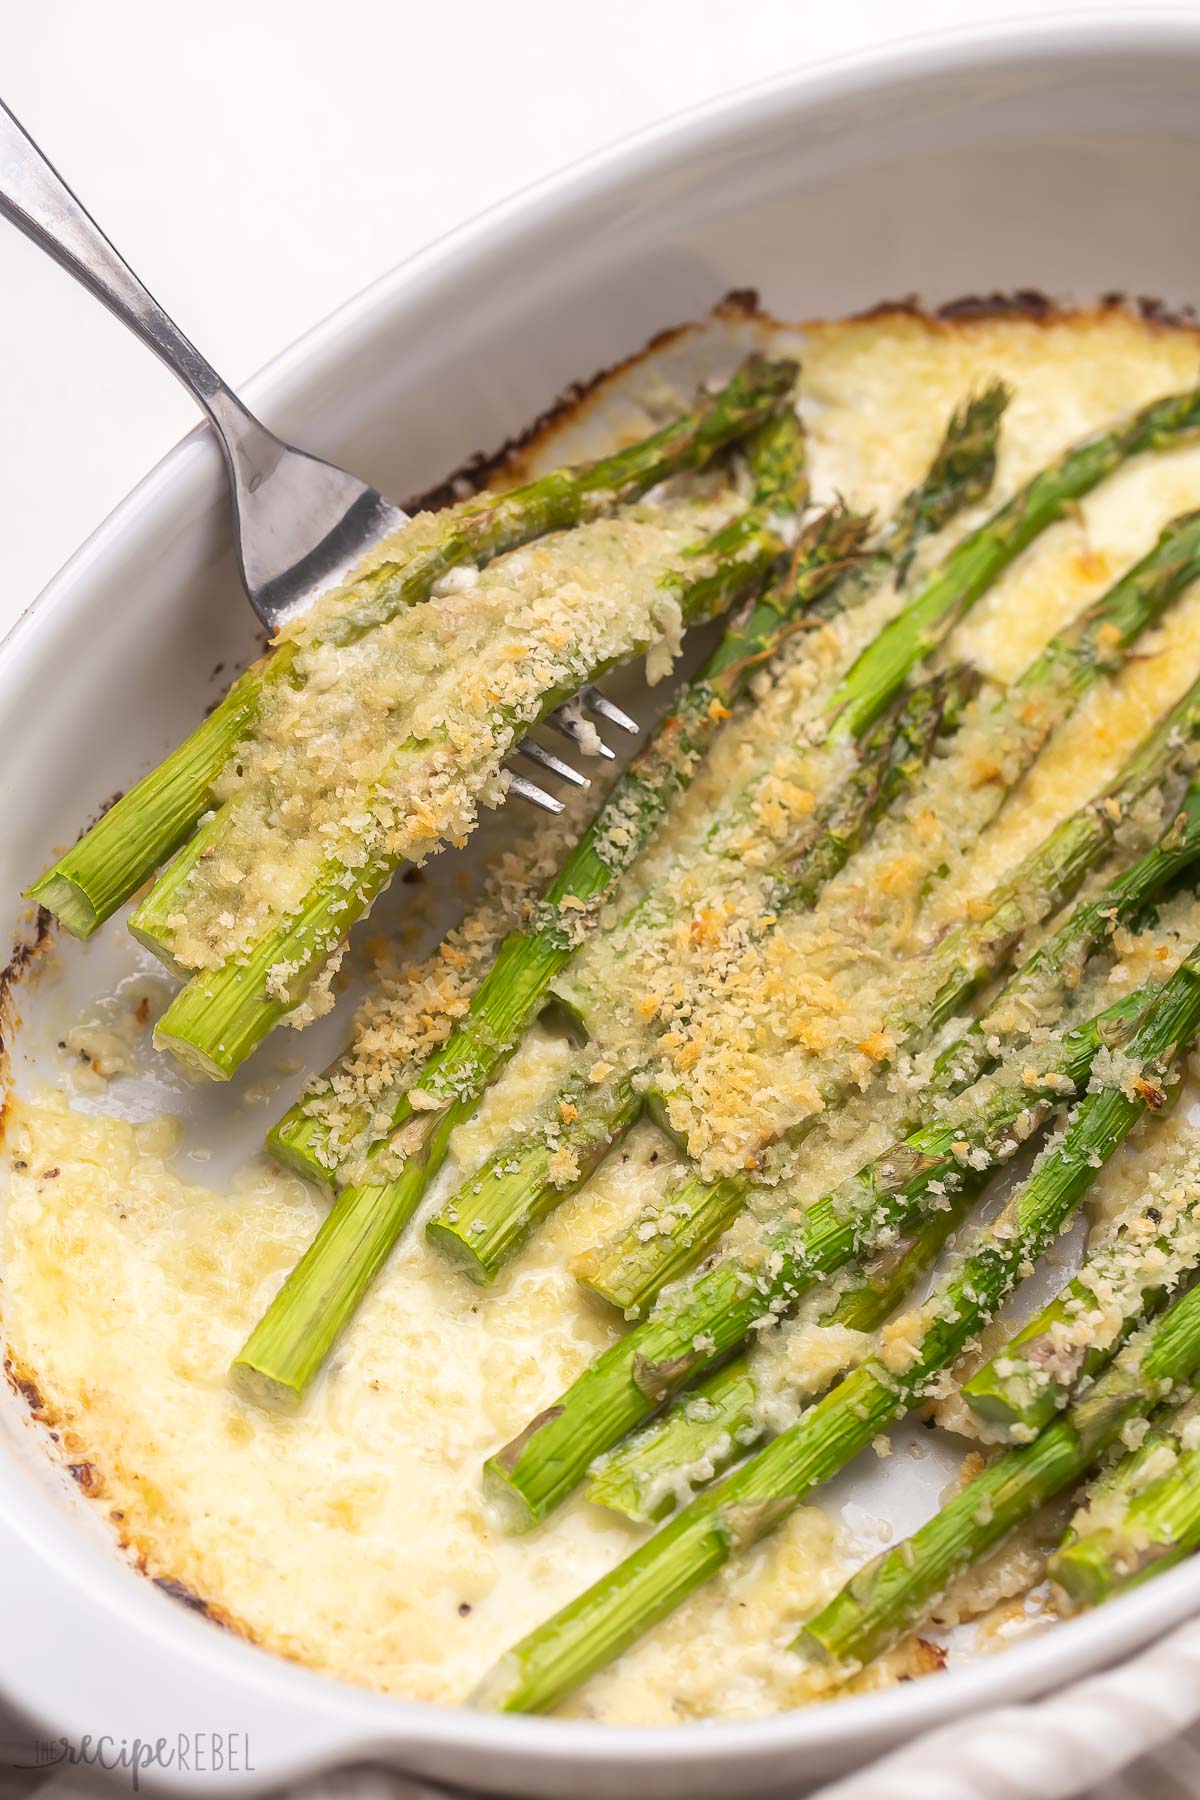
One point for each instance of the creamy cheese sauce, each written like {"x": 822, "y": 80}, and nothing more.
{"x": 354, "y": 1536}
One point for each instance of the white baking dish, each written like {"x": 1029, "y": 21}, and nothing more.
{"x": 1065, "y": 158}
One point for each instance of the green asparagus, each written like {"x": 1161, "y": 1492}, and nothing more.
{"x": 711, "y": 1425}
{"x": 970, "y": 1129}
{"x": 1141, "y": 1518}
{"x": 759, "y": 1495}
{"x": 893, "y": 1594}
{"x": 1033, "y": 1375}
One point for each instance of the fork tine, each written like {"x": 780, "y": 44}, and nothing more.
{"x": 574, "y": 729}
{"x": 536, "y": 796}
{"x": 599, "y": 703}
{"x": 554, "y": 765}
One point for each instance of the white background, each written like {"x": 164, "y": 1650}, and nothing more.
{"x": 258, "y": 161}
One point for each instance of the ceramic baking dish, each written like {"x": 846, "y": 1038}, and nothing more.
{"x": 1064, "y": 158}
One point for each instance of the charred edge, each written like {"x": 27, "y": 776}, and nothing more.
{"x": 27, "y": 953}
{"x": 926, "y": 1658}
{"x": 87, "y": 1477}
{"x": 186, "y": 1596}
{"x": 26, "y": 1388}
{"x": 1034, "y": 307}
{"x": 478, "y": 471}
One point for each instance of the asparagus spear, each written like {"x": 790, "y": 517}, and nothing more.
{"x": 495, "y": 1209}
{"x": 1033, "y": 1375}
{"x": 711, "y": 1425}
{"x": 892, "y": 1594}
{"x": 965, "y": 1137}
{"x": 974, "y": 564}
{"x": 653, "y": 1250}
{"x": 1149, "y": 1518}
{"x": 111, "y": 861}
{"x": 759, "y": 1495}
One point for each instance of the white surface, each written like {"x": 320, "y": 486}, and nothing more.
{"x": 258, "y": 161}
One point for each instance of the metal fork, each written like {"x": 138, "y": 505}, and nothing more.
{"x": 300, "y": 523}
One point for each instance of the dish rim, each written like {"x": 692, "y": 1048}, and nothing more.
{"x": 363, "y": 1721}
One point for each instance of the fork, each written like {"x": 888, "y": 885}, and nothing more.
{"x": 300, "y": 523}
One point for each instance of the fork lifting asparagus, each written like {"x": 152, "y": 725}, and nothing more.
{"x": 112, "y": 860}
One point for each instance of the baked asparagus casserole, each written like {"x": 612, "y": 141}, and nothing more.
{"x": 743, "y": 1250}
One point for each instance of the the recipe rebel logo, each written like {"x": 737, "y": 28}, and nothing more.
{"x": 25, "y": 1763}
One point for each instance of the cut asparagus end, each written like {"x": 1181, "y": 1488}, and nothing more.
{"x": 67, "y": 900}
{"x": 493, "y": 1212}
{"x": 631, "y": 1271}
{"x": 455, "y": 1242}
{"x": 498, "y": 1686}
{"x": 1084, "y": 1571}
{"x": 265, "y": 1389}
{"x": 148, "y": 824}
{"x": 216, "y": 1064}
{"x": 292, "y": 1341}
{"x": 150, "y": 921}
{"x": 295, "y": 1143}
{"x": 657, "y": 1469}
{"x": 513, "y": 1512}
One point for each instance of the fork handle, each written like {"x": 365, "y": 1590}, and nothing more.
{"x": 38, "y": 201}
